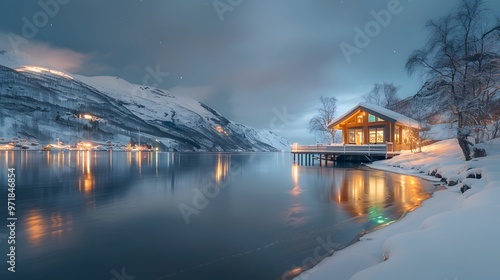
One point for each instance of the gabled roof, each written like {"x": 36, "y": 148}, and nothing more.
{"x": 378, "y": 111}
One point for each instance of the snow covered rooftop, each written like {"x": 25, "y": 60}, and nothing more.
{"x": 382, "y": 112}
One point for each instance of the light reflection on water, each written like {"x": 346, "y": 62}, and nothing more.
{"x": 261, "y": 214}
{"x": 363, "y": 192}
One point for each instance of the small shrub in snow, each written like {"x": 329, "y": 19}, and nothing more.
{"x": 479, "y": 152}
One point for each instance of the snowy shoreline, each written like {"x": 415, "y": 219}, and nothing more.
{"x": 451, "y": 236}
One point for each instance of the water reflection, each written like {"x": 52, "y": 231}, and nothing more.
{"x": 296, "y": 190}
{"x": 257, "y": 210}
{"x": 35, "y": 227}
{"x": 379, "y": 196}
{"x": 221, "y": 168}
{"x": 86, "y": 180}
{"x": 360, "y": 193}
{"x": 40, "y": 227}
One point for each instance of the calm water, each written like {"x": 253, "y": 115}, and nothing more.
{"x": 101, "y": 215}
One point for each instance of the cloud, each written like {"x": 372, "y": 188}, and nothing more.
{"x": 68, "y": 60}
{"x": 47, "y": 55}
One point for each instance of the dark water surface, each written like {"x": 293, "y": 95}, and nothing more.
{"x": 141, "y": 216}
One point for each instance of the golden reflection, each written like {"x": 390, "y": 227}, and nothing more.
{"x": 85, "y": 182}
{"x": 221, "y": 168}
{"x": 365, "y": 193}
{"x": 35, "y": 227}
{"x": 295, "y": 174}
{"x": 88, "y": 163}
{"x": 138, "y": 158}
{"x": 296, "y": 190}
{"x": 39, "y": 227}
{"x": 24, "y": 159}
{"x": 295, "y": 213}
{"x": 156, "y": 163}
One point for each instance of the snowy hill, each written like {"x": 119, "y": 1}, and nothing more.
{"x": 43, "y": 103}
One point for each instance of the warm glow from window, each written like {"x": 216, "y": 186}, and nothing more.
{"x": 376, "y": 135}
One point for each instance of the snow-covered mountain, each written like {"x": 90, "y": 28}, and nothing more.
{"x": 42, "y": 103}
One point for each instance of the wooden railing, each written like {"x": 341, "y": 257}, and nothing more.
{"x": 347, "y": 149}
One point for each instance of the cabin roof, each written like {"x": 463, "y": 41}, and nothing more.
{"x": 378, "y": 111}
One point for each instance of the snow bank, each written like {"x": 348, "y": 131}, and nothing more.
{"x": 452, "y": 236}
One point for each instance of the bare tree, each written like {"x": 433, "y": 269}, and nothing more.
{"x": 326, "y": 113}
{"x": 384, "y": 95}
{"x": 495, "y": 129}
{"x": 461, "y": 61}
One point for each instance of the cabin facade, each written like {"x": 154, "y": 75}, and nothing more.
{"x": 369, "y": 124}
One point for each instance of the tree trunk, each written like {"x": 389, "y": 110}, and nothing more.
{"x": 332, "y": 135}
{"x": 462, "y": 134}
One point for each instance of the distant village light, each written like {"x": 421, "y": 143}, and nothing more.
{"x": 219, "y": 129}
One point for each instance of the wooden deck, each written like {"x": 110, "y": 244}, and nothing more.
{"x": 307, "y": 153}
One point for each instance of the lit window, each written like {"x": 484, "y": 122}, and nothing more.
{"x": 397, "y": 138}
{"x": 376, "y": 135}
{"x": 372, "y": 118}
{"x": 360, "y": 119}
{"x": 355, "y": 136}
{"x": 352, "y": 136}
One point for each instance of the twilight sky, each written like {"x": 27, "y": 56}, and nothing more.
{"x": 259, "y": 62}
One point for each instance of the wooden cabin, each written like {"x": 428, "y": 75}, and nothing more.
{"x": 367, "y": 123}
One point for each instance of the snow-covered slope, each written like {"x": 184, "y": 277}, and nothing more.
{"x": 454, "y": 235}
{"x": 44, "y": 103}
